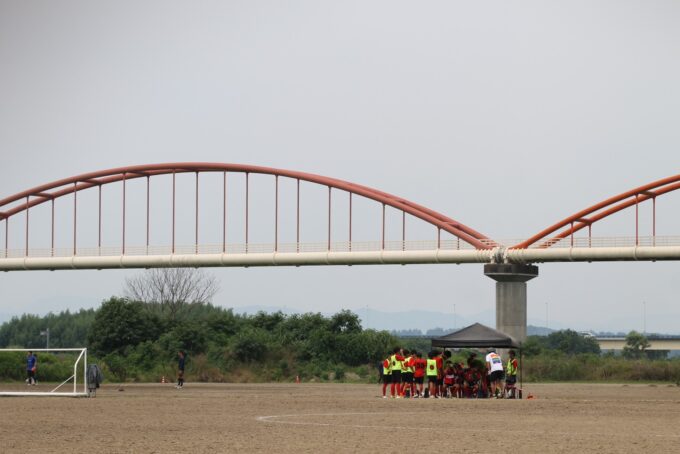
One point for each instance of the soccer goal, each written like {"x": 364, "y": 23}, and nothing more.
{"x": 59, "y": 372}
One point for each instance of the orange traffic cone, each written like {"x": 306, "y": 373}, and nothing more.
{"x": 163, "y": 380}
{"x": 297, "y": 379}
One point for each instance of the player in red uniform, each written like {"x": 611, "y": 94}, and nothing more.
{"x": 386, "y": 375}
{"x": 396, "y": 367}
{"x": 407, "y": 374}
{"x": 419, "y": 374}
{"x": 458, "y": 380}
{"x": 441, "y": 357}
{"x": 449, "y": 380}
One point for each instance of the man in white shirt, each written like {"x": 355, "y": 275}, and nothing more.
{"x": 494, "y": 367}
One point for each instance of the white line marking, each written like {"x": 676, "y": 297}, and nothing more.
{"x": 274, "y": 419}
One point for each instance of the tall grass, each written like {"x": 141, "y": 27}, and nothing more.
{"x": 591, "y": 367}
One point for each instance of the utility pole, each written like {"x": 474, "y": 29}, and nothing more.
{"x": 46, "y": 333}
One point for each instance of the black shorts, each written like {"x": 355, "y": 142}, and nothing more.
{"x": 432, "y": 379}
{"x": 440, "y": 381}
{"x": 419, "y": 380}
{"x": 407, "y": 377}
{"x": 511, "y": 379}
{"x": 496, "y": 375}
{"x": 387, "y": 378}
{"x": 396, "y": 376}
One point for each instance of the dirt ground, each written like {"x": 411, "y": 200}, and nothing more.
{"x": 301, "y": 418}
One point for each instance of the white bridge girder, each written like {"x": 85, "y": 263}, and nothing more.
{"x": 379, "y": 257}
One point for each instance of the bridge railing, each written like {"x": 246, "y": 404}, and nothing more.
{"x": 598, "y": 242}
{"x": 322, "y": 246}
{"x": 252, "y": 248}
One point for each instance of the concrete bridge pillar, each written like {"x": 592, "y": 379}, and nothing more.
{"x": 511, "y": 296}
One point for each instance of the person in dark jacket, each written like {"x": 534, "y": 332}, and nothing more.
{"x": 31, "y": 366}
{"x": 180, "y": 370}
{"x": 94, "y": 379}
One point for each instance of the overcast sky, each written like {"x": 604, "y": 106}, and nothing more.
{"x": 507, "y": 116}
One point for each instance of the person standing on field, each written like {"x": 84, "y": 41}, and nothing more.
{"x": 31, "y": 366}
{"x": 180, "y": 370}
{"x": 511, "y": 374}
{"x": 494, "y": 367}
{"x": 386, "y": 375}
{"x": 395, "y": 368}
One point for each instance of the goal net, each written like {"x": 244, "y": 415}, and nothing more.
{"x": 57, "y": 372}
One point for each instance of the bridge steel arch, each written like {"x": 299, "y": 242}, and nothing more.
{"x": 24, "y": 201}
{"x": 543, "y": 247}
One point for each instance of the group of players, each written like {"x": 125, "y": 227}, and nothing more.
{"x": 405, "y": 371}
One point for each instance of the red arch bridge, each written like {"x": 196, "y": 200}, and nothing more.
{"x": 213, "y": 214}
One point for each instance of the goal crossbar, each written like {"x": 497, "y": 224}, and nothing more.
{"x": 75, "y": 393}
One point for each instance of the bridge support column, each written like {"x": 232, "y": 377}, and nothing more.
{"x": 511, "y": 296}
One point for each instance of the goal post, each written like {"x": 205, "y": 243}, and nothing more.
{"x": 65, "y": 381}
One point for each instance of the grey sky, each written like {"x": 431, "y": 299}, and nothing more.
{"x": 507, "y": 116}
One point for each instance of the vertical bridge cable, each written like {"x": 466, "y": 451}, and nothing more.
{"x": 75, "y": 209}
{"x": 52, "y": 249}
{"x": 297, "y": 237}
{"x": 148, "y": 190}
{"x": 173, "y": 210}
{"x": 196, "y": 228}
{"x": 99, "y": 234}
{"x": 276, "y": 216}
{"x": 247, "y": 207}
{"x": 224, "y": 212}
{"x": 654, "y": 221}
{"x": 27, "y": 200}
{"x": 383, "y": 227}
{"x": 350, "y": 222}
{"x": 637, "y": 210}
{"x": 403, "y": 230}
{"x": 124, "y": 194}
{"x": 329, "y": 218}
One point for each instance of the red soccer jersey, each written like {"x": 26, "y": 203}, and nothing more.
{"x": 449, "y": 376}
{"x": 440, "y": 366}
{"x": 420, "y": 365}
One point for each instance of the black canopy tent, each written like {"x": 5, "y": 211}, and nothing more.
{"x": 476, "y": 336}
{"x": 479, "y": 336}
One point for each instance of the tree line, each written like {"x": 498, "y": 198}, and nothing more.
{"x": 135, "y": 340}
{"x": 137, "y": 337}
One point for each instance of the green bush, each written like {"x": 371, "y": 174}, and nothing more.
{"x": 250, "y": 345}
{"x": 339, "y": 373}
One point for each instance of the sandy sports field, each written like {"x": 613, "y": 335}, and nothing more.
{"x": 295, "y": 418}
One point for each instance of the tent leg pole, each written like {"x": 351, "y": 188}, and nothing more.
{"x": 521, "y": 373}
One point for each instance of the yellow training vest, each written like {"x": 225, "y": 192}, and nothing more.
{"x": 395, "y": 364}
{"x": 431, "y": 367}
{"x": 510, "y": 369}
{"x": 408, "y": 369}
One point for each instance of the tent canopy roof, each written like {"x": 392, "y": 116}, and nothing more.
{"x": 476, "y": 335}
